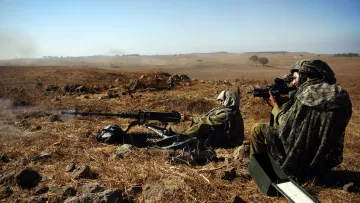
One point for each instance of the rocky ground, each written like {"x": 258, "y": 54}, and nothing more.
{"x": 49, "y": 157}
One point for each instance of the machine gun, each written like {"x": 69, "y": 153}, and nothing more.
{"x": 280, "y": 87}
{"x": 142, "y": 117}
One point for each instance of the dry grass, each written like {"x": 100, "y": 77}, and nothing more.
{"x": 68, "y": 140}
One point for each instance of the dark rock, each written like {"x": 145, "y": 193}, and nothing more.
{"x": 5, "y": 192}
{"x": 4, "y": 158}
{"x": 68, "y": 192}
{"x": 108, "y": 196}
{"x": 134, "y": 190}
{"x": 86, "y": 97}
{"x": 51, "y": 88}
{"x": 70, "y": 167}
{"x": 237, "y": 199}
{"x": 42, "y": 190}
{"x": 36, "y": 128}
{"x": 63, "y": 191}
{"x": 83, "y": 171}
{"x": 54, "y": 118}
{"x": 42, "y": 156}
{"x": 92, "y": 188}
{"x": 27, "y": 178}
{"x": 229, "y": 174}
{"x": 350, "y": 187}
{"x": 7, "y": 177}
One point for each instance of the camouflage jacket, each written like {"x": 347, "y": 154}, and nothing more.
{"x": 224, "y": 126}
{"x": 309, "y": 134}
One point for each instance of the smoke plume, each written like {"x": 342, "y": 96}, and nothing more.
{"x": 16, "y": 44}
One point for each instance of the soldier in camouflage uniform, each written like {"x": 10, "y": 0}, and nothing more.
{"x": 222, "y": 126}
{"x": 308, "y": 136}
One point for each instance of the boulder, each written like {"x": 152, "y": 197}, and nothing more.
{"x": 83, "y": 171}
{"x": 92, "y": 188}
{"x": 63, "y": 191}
{"x": 27, "y": 178}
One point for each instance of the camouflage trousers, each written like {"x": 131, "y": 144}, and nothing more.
{"x": 257, "y": 139}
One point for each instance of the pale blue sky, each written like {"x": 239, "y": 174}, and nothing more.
{"x": 35, "y": 28}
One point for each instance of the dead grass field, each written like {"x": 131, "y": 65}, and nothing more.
{"x": 21, "y": 100}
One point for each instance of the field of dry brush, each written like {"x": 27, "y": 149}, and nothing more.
{"x": 31, "y": 98}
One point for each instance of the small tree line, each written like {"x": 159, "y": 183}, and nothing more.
{"x": 262, "y": 60}
{"x": 347, "y": 54}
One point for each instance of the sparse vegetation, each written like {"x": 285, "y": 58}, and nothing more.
{"x": 254, "y": 58}
{"x": 263, "y": 60}
{"x": 347, "y": 54}
{"x": 28, "y": 129}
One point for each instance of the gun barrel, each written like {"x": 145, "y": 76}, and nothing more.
{"x": 75, "y": 112}
{"x": 141, "y": 115}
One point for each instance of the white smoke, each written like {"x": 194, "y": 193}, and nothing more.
{"x": 16, "y": 44}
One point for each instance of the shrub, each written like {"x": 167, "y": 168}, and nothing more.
{"x": 254, "y": 58}
{"x": 263, "y": 60}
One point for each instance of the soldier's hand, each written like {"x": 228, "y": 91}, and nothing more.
{"x": 272, "y": 100}
{"x": 185, "y": 117}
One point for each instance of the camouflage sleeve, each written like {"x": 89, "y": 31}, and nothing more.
{"x": 194, "y": 128}
{"x": 211, "y": 120}
{"x": 278, "y": 113}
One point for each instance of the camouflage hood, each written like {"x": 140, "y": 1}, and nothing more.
{"x": 313, "y": 124}
{"x": 229, "y": 99}
{"x": 320, "y": 94}
{"x": 230, "y": 102}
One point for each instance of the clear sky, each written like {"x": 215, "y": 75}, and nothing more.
{"x": 36, "y": 28}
